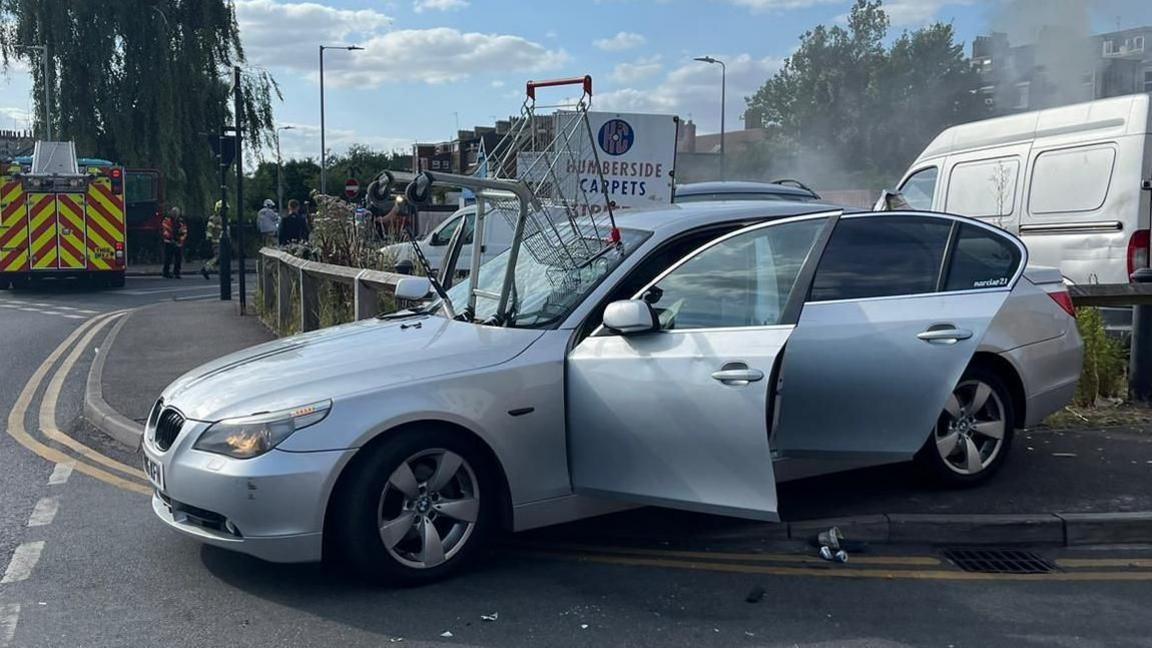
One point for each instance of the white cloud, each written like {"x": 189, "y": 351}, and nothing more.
{"x": 620, "y": 42}
{"x": 917, "y": 13}
{"x": 303, "y": 141}
{"x": 773, "y": 5}
{"x": 638, "y": 70}
{"x": 693, "y": 90}
{"x": 10, "y": 114}
{"x": 420, "y": 6}
{"x": 497, "y": 84}
{"x": 273, "y": 34}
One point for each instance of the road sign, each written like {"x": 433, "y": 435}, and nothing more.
{"x": 351, "y": 188}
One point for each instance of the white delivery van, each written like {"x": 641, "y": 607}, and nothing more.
{"x": 1073, "y": 182}
{"x": 497, "y": 238}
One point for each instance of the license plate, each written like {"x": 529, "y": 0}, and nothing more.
{"x": 104, "y": 253}
{"x": 155, "y": 472}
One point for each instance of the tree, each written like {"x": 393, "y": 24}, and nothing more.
{"x": 845, "y": 111}
{"x": 142, "y": 82}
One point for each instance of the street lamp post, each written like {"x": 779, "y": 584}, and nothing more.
{"x": 47, "y": 96}
{"x": 323, "y": 150}
{"x": 723, "y": 91}
{"x": 280, "y": 172}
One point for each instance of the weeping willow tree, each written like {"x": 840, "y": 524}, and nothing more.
{"x": 143, "y": 82}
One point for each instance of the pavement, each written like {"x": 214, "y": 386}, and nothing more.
{"x": 84, "y": 563}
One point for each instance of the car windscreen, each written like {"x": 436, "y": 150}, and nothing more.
{"x": 543, "y": 292}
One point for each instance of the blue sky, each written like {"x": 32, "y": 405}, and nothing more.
{"x": 429, "y": 63}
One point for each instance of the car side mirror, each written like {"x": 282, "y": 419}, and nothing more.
{"x": 413, "y": 288}
{"x": 630, "y": 316}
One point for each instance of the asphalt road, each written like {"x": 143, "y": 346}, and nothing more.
{"x": 95, "y": 569}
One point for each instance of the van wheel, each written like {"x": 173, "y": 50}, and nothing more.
{"x": 417, "y": 508}
{"x": 974, "y": 432}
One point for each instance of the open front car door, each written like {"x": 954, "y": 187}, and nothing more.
{"x": 668, "y": 403}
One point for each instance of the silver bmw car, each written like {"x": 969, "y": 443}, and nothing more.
{"x": 717, "y": 350}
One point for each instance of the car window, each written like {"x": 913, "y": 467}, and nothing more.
{"x": 919, "y": 188}
{"x": 880, "y": 256}
{"x": 981, "y": 259}
{"x": 702, "y": 197}
{"x": 740, "y": 281}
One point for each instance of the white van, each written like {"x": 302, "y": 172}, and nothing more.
{"x": 1074, "y": 182}
{"x": 497, "y": 238}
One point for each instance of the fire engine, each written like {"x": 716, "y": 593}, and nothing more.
{"x": 61, "y": 217}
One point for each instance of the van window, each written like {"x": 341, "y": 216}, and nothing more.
{"x": 983, "y": 189}
{"x": 1071, "y": 180}
{"x": 981, "y": 259}
{"x": 919, "y": 188}
{"x": 443, "y": 236}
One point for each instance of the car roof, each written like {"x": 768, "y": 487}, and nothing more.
{"x": 740, "y": 187}
{"x": 685, "y": 216}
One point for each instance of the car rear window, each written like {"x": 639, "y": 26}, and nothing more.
{"x": 981, "y": 259}
{"x": 881, "y": 256}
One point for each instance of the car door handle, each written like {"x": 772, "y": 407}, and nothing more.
{"x": 733, "y": 375}
{"x": 944, "y": 335}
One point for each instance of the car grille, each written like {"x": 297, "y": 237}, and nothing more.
{"x": 167, "y": 429}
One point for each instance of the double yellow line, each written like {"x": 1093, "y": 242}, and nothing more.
{"x": 86, "y": 460}
{"x": 873, "y": 566}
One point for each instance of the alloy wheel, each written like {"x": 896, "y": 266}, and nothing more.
{"x": 970, "y": 432}
{"x": 428, "y": 509}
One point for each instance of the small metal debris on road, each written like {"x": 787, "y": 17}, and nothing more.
{"x": 447, "y": 634}
{"x": 1064, "y": 455}
{"x": 395, "y": 639}
{"x": 830, "y": 538}
{"x": 583, "y": 626}
{"x": 755, "y": 595}
{"x": 490, "y": 617}
{"x": 839, "y": 555}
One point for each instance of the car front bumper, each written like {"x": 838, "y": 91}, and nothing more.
{"x": 271, "y": 506}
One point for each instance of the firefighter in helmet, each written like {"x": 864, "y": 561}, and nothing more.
{"x": 212, "y": 233}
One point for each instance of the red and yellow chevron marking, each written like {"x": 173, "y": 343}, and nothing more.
{"x": 42, "y": 223}
{"x": 70, "y": 221}
{"x": 13, "y": 227}
{"x": 108, "y": 208}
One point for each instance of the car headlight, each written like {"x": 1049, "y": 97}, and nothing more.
{"x": 252, "y": 436}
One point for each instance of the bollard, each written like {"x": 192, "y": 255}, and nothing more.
{"x": 1140, "y": 354}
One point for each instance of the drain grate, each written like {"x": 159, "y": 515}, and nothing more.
{"x": 999, "y": 561}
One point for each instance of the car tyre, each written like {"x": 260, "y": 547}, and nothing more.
{"x": 416, "y": 508}
{"x": 974, "y": 433}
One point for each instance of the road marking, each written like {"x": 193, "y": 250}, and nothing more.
{"x": 61, "y": 473}
{"x": 903, "y": 561}
{"x": 52, "y": 396}
{"x": 9, "y": 615}
{"x": 23, "y": 561}
{"x": 48, "y": 309}
{"x": 44, "y": 512}
{"x": 1104, "y": 562}
{"x": 16, "y": 415}
{"x": 836, "y": 571}
{"x": 158, "y": 291}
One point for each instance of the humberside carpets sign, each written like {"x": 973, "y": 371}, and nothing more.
{"x": 636, "y": 154}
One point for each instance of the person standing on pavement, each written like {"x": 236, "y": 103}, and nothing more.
{"x": 212, "y": 233}
{"x": 174, "y": 232}
{"x": 294, "y": 226}
{"x": 268, "y": 222}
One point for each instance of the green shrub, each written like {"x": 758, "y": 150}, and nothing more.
{"x": 1105, "y": 361}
